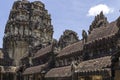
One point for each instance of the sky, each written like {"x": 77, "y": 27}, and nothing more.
{"x": 75, "y": 15}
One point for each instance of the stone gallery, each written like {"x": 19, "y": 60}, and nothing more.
{"x": 31, "y": 53}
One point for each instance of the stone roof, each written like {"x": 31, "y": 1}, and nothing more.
{"x": 103, "y": 32}
{"x": 98, "y": 64}
{"x": 59, "y": 72}
{"x": 43, "y": 51}
{"x": 34, "y": 69}
{"x": 70, "y": 49}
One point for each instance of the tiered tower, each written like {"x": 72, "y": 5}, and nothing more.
{"x": 29, "y": 24}
{"x": 99, "y": 21}
{"x": 40, "y": 22}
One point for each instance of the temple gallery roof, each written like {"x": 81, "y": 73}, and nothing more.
{"x": 59, "y": 72}
{"x": 70, "y": 49}
{"x": 40, "y": 52}
{"x": 43, "y": 51}
{"x": 103, "y": 32}
{"x": 93, "y": 65}
{"x": 34, "y": 70}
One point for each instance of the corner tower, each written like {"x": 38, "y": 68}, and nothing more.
{"x": 29, "y": 24}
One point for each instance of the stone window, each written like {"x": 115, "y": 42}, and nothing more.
{"x": 91, "y": 54}
{"x": 110, "y": 50}
{"x": 57, "y": 64}
{"x": 62, "y": 63}
{"x": 66, "y": 62}
{"x": 69, "y": 61}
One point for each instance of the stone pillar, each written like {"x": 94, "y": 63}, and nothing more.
{"x": 15, "y": 77}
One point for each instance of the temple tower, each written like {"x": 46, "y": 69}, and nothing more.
{"x": 40, "y": 22}
{"x": 69, "y": 37}
{"x": 99, "y": 21}
{"x": 29, "y": 24}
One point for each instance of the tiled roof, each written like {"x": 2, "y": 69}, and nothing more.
{"x": 103, "y": 32}
{"x": 43, "y": 51}
{"x": 94, "y": 64}
{"x": 59, "y": 72}
{"x": 33, "y": 70}
{"x": 78, "y": 46}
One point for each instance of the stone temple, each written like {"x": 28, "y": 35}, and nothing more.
{"x": 31, "y": 53}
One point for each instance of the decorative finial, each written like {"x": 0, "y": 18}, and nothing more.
{"x": 84, "y": 35}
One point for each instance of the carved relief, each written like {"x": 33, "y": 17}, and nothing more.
{"x": 26, "y": 31}
{"x": 22, "y": 16}
{"x": 16, "y": 30}
{"x": 21, "y": 30}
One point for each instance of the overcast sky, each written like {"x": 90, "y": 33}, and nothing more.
{"x": 75, "y": 15}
